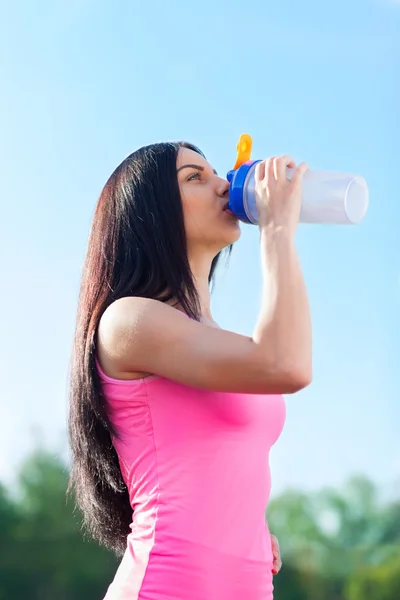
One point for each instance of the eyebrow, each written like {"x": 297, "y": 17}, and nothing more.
{"x": 194, "y": 167}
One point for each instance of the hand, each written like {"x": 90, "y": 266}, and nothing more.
{"x": 277, "y": 564}
{"x": 278, "y": 198}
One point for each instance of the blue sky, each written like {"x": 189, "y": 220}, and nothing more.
{"x": 84, "y": 83}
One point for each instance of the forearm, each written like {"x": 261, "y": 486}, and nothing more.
{"x": 283, "y": 330}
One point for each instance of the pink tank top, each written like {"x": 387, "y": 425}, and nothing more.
{"x": 196, "y": 464}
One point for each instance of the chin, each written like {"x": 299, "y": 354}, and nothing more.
{"x": 232, "y": 236}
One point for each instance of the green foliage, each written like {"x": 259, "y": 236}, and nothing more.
{"x": 336, "y": 544}
{"x": 43, "y": 554}
{"x": 381, "y": 582}
{"x": 343, "y": 544}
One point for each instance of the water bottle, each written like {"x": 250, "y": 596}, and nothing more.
{"x": 328, "y": 197}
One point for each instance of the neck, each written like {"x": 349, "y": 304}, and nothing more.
{"x": 200, "y": 267}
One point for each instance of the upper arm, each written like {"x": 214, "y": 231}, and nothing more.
{"x": 140, "y": 334}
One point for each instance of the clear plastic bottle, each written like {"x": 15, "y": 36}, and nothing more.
{"x": 328, "y": 197}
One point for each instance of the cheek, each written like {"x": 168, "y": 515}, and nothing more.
{"x": 197, "y": 210}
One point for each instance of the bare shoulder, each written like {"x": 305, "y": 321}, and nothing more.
{"x": 118, "y": 329}
{"x": 126, "y": 315}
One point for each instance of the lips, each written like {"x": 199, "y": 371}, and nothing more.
{"x": 225, "y": 207}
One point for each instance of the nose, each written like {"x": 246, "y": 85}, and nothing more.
{"x": 223, "y": 188}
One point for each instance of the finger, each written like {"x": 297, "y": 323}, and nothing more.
{"x": 281, "y": 164}
{"x": 277, "y": 565}
{"x": 276, "y": 569}
{"x": 260, "y": 171}
{"x": 275, "y": 545}
{"x": 299, "y": 173}
{"x": 269, "y": 168}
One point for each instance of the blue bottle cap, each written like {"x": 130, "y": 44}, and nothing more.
{"x": 237, "y": 180}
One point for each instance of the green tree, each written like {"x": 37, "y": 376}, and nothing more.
{"x": 332, "y": 534}
{"x": 45, "y": 556}
{"x": 9, "y": 520}
{"x": 381, "y": 582}
{"x": 337, "y": 544}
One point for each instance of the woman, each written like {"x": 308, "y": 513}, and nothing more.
{"x": 172, "y": 418}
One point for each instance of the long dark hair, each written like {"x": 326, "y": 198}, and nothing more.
{"x": 136, "y": 247}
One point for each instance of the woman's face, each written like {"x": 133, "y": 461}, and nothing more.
{"x": 204, "y": 196}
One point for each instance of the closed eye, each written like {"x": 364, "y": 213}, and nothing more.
{"x": 193, "y": 176}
